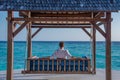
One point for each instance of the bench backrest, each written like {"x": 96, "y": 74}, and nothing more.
{"x": 62, "y": 65}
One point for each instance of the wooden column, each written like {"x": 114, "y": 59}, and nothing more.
{"x": 29, "y": 43}
{"x": 29, "y": 46}
{"x": 108, "y": 46}
{"x": 10, "y": 45}
{"x": 94, "y": 50}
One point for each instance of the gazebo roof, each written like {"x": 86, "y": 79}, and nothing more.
{"x": 60, "y": 5}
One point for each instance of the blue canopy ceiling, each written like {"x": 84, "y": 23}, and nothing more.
{"x": 60, "y": 5}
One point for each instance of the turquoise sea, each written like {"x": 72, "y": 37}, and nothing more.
{"x": 46, "y": 48}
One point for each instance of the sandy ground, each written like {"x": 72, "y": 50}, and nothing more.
{"x": 99, "y": 76}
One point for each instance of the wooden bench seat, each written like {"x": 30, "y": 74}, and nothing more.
{"x": 47, "y": 65}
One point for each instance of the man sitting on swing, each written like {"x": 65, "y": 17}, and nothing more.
{"x": 61, "y": 52}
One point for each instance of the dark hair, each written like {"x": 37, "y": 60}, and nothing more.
{"x": 61, "y": 44}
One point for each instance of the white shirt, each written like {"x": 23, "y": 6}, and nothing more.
{"x": 61, "y": 53}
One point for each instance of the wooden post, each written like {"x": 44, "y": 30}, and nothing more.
{"x": 29, "y": 44}
{"x": 108, "y": 46}
{"x": 10, "y": 47}
{"x": 94, "y": 50}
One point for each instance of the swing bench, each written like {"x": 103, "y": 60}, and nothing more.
{"x": 59, "y": 66}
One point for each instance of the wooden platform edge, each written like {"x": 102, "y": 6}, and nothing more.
{"x": 53, "y": 72}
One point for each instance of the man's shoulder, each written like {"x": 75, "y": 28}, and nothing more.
{"x": 66, "y": 50}
{"x": 57, "y": 51}
{"x": 61, "y": 51}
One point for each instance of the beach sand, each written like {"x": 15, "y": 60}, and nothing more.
{"x": 100, "y": 75}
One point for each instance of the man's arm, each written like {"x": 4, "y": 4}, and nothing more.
{"x": 68, "y": 54}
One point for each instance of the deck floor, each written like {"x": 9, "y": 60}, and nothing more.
{"x": 99, "y": 76}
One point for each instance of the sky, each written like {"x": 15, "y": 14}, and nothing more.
{"x": 60, "y": 34}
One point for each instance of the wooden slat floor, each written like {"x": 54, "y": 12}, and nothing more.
{"x": 99, "y": 76}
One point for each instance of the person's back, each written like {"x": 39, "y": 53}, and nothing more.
{"x": 61, "y": 53}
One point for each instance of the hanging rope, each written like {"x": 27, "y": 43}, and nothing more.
{"x": 90, "y": 48}
{"x": 25, "y": 55}
{"x": 91, "y": 40}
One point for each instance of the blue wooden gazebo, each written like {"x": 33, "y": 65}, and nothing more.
{"x": 60, "y": 14}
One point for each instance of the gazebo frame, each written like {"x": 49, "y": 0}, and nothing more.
{"x": 50, "y": 19}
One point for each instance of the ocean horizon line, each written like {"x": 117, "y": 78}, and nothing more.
{"x": 59, "y": 41}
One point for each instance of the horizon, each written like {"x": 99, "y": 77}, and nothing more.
{"x": 59, "y": 41}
